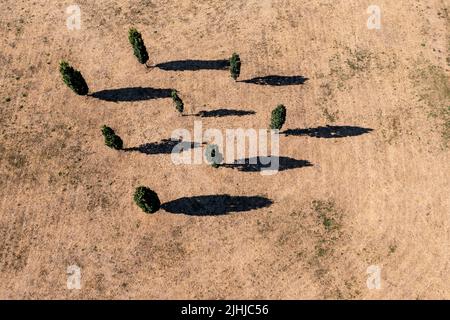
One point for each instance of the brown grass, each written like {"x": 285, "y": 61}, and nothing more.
{"x": 379, "y": 198}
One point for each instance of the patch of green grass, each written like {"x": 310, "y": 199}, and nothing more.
{"x": 321, "y": 251}
{"x": 350, "y": 63}
{"x": 434, "y": 86}
{"x": 325, "y": 210}
{"x": 330, "y": 116}
{"x": 17, "y": 160}
{"x": 328, "y": 223}
{"x": 359, "y": 60}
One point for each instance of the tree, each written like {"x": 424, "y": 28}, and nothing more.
{"x": 147, "y": 200}
{"x": 179, "y": 105}
{"x": 278, "y": 117}
{"x": 73, "y": 79}
{"x": 138, "y": 45}
{"x": 112, "y": 140}
{"x": 213, "y": 155}
{"x": 235, "y": 66}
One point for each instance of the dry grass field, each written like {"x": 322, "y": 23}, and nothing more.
{"x": 380, "y": 197}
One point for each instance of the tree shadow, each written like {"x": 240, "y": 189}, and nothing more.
{"x": 194, "y": 65}
{"x": 224, "y": 113}
{"x": 165, "y": 146}
{"x": 258, "y": 164}
{"x": 277, "y": 80}
{"x": 328, "y": 132}
{"x": 132, "y": 94}
{"x": 215, "y": 205}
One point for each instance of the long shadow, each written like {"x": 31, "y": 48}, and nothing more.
{"x": 328, "y": 132}
{"x": 165, "y": 146}
{"x": 257, "y": 164}
{"x": 215, "y": 205}
{"x": 277, "y": 80}
{"x": 194, "y": 65}
{"x": 132, "y": 94}
{"x": 224, "y": 113}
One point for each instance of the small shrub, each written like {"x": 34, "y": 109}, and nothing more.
{"x": 179, "y": 105}
{"x": 139, "y": 49}
{"x": 112, "y": 140}
{"x": 278, "y": 117}
{"x": 147, "y": 200}
{"x": 235, "y": 66}
{"x": 213, "y": 155}
{"x": 73, "y": 79}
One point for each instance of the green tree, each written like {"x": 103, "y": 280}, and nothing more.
{"x": 147, "y": 200}
{"x": 278, "y": 117}
{"x": 112, "y": 140}
{"x": 138, "y": 45}
{"x": 73, "y": 79}
{"x": 179, "y": 105}
{"x": 213, "y": 155}
{"x": 235, "y": 66}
